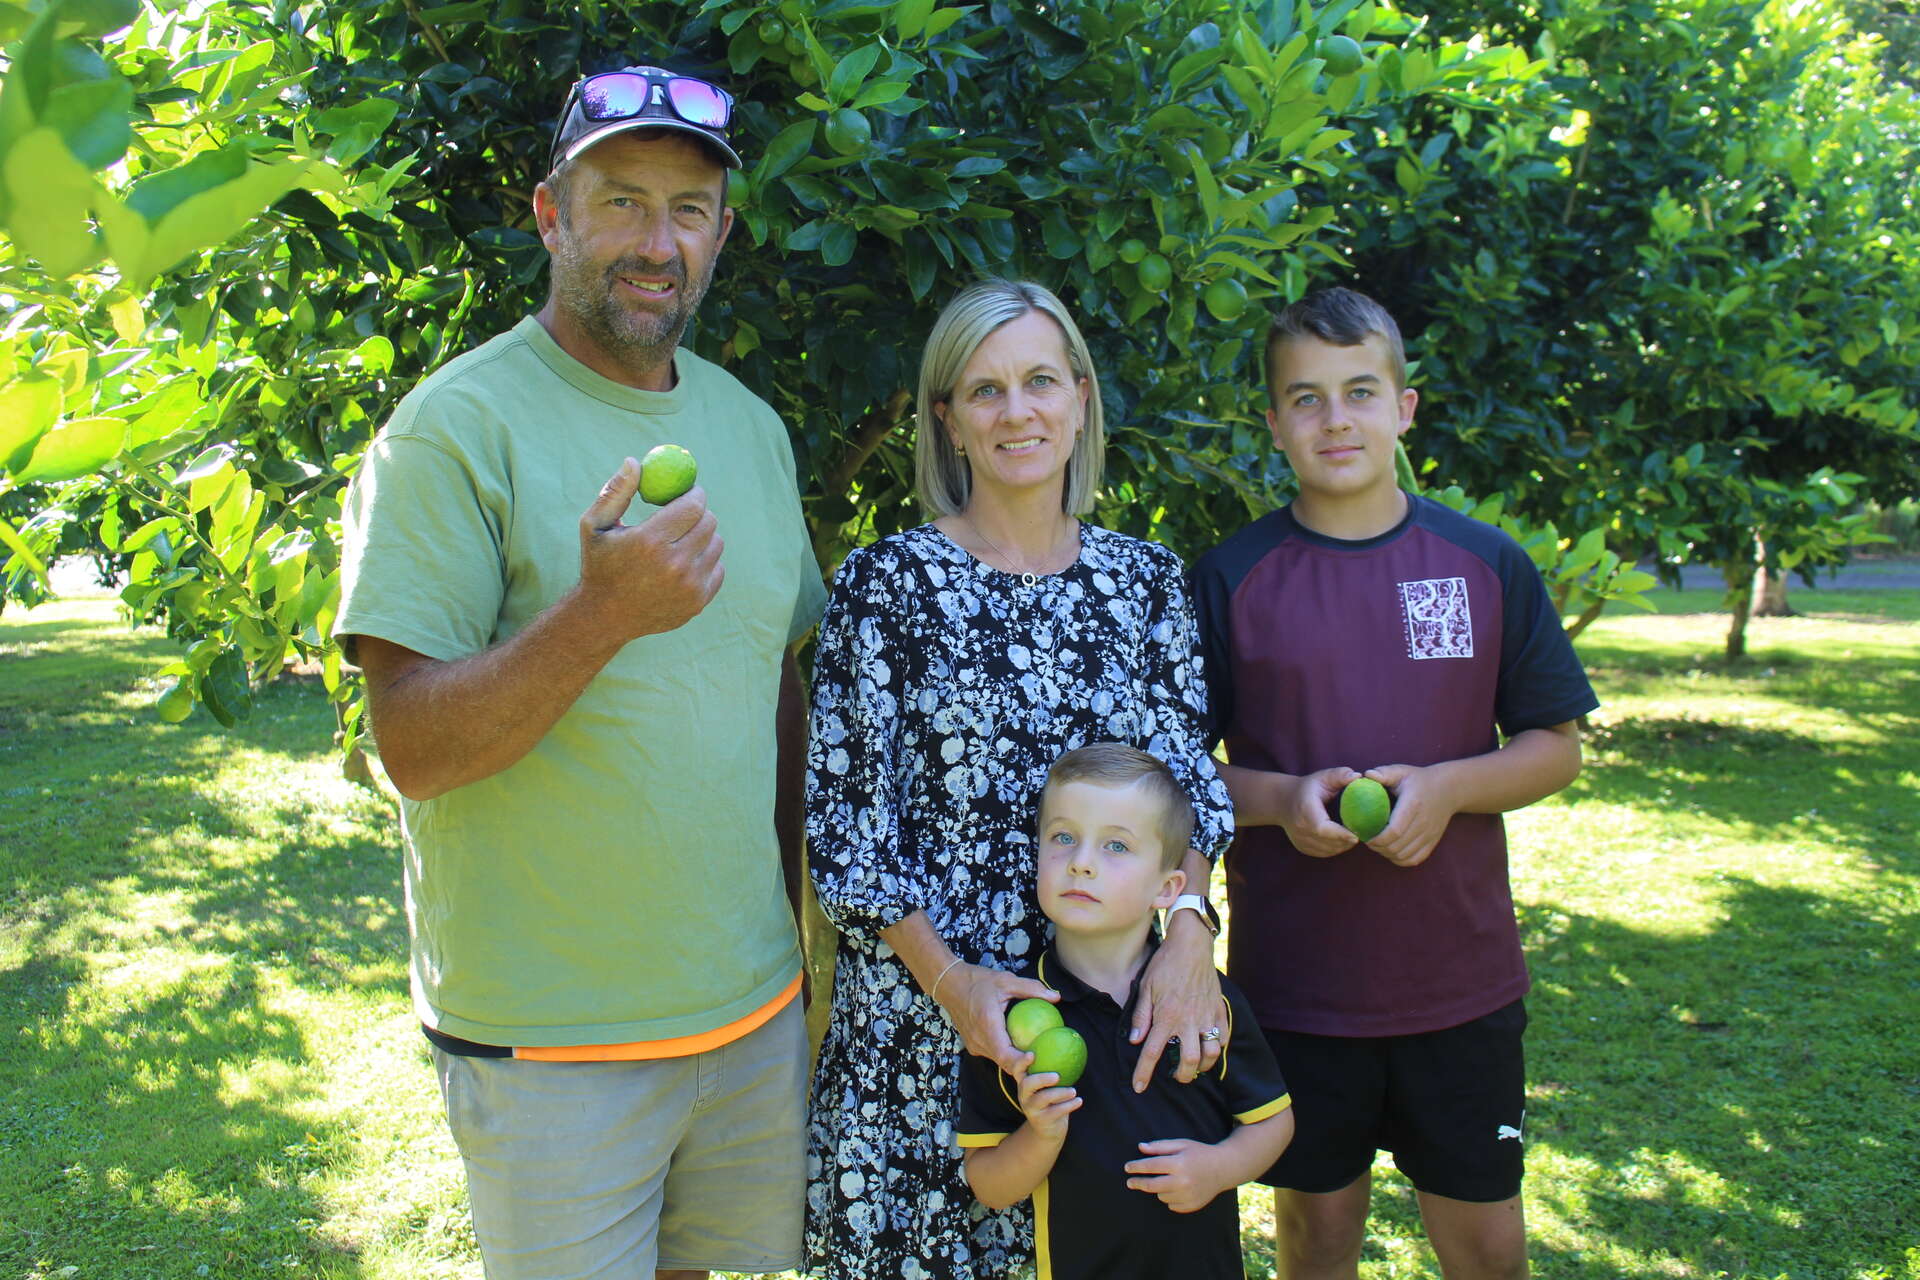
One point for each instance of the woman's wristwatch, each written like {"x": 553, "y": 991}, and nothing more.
{"x": 1197, "y": 903}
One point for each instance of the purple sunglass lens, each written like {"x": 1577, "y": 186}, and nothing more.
{"x": 614, "y": 97}
{"x": 698, "y": 102}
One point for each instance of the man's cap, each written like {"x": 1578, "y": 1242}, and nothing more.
{"x": 577, "y": 132}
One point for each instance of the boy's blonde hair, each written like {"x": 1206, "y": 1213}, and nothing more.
{"x": 1115, "y": 764}
{"x": 1338, "y": 317}
{"x": 939, "y": 471}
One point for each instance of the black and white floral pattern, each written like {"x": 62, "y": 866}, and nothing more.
{"x": 942, "y": 691}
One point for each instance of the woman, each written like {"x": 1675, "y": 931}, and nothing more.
{"x": 955, "y": 662}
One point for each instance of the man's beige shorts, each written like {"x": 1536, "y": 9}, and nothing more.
{"x": 584, "y": 1169}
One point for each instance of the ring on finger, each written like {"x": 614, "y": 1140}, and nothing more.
{"x": 1210, "y": 1034}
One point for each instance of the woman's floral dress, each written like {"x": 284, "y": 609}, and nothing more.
{"x": 942, "y": 691}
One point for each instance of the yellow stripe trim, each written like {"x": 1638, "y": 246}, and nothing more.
{"x": 1266, "y": 1112}
{"x": 1042, "y": 1238}
{"x": 980, "y": 1139}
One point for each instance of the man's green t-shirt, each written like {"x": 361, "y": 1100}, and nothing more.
{"x": 622, "y": 881}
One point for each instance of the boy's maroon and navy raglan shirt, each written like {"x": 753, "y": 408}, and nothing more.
{"x": 1422, "y": 645}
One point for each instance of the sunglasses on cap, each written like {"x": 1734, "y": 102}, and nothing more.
{"x": 642, "y": 94}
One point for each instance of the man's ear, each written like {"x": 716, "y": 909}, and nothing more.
{"x": 726, "y": 226}
{"x": 546, "y": 215}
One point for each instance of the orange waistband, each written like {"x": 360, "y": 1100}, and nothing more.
{"x": 675, "y": 1047}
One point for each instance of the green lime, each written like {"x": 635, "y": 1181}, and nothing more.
{"x": 665, "y": 473}
{"x": 848, "y": 132}
{"x": 1156, "y": 273}
{"x": 1342, "y": 55}
{"x": 792, "y": 10}
{"x": 772, "y": 31}
{"x": 1061, "y": 1051}
{"x": 1226, "y": 298}
{"x": 1132, "y": 250}
{"x": 1026, "y": 1019}
{"x": 1365, "y": 808}
{"x": 176, "y": 704}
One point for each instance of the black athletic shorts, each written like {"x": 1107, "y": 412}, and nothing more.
{"x": 1450, "y": 1105}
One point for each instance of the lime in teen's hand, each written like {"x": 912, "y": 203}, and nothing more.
{"x": 1060, "y": 1051}
{"x": 665, "y": 473}
{"x": 1365, "y": 808}
{"x": 1027, "y": 1019}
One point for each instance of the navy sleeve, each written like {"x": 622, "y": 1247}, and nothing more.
{"x": 988, "y": 1109}
{"x": 1541, "y": 681}
{"x": 1211, "y": 602}
{"x": 1254, "y": 1087}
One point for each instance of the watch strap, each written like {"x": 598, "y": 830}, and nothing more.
{"x": 1197, "y": 903}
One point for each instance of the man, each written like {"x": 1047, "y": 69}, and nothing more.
{"x": 584, "y": 715}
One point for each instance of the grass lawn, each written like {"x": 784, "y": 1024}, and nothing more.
{"x": 208, "y": 1066}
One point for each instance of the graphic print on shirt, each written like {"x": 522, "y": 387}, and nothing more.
{"x": 1439, "y": 623}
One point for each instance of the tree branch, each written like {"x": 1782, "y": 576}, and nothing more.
{"x": 867, "y": 437}
{"x": 427, "y": 30}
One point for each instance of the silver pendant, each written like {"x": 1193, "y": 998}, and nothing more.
{"x": 1029, "y": 579}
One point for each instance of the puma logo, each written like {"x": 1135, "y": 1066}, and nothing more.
{"x": 1507, "y": 1131}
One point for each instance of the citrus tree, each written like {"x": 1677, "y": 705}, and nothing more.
{"x": 264, "y": 224}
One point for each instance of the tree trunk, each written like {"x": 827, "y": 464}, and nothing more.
{"x": 1769, "y": 587}
{"x": 1739, "y": 575}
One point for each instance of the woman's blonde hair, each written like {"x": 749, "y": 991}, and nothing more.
{"x": 940, "y": 470}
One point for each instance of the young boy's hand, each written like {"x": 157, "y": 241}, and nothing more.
{"x": 1045, "y": 1103}
{"x": 1422, "y": 808}
{"x": 1306, "y": 812}
{"x": 1179, "y": 1171}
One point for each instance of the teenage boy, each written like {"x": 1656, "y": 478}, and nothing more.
{"x": 1124, "y": 1184}
{"x": 1363, "y": 629}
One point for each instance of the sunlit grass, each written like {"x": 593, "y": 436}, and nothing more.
{"x": 208, "y": 1065}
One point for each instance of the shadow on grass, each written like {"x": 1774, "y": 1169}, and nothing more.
{"x": 164, "y": 925}
{"x": 1749, "y": 1097}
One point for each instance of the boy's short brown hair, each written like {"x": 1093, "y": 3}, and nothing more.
{"x": 1115, "y": 764}
{"x": 1341, "y": 318}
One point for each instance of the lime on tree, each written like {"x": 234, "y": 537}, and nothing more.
{"x": 665, "y": 473}
{"x": 1365, "y": 808}
{"x": 1226, "y": 298}
{"x": 1132, "y": 249}
{"x": 1156, "y": 273}
{"x": 1028, "y": 1018}
{"x": 176, "y": 704}
{"x": 848, "y": 132}
{"x": 1341, "y": 54}
{"x": 1060, "y": 1051}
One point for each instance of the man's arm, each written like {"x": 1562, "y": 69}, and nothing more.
{"x": 441, "y": 725}
{"x": 790, "y": 785}
{"x": 1529, "y": 766}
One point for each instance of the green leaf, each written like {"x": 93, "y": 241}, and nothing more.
{"x": 74, "y": 449}
{"x": 92, "y": 116}
{"x": 785, "y": 151}
{"x": 910, "y": 17}
{"x": 836, "y": 248}
{"x": 201, "y": 204}
{"x": 355, "y": 129}
{"x": 29, "y": 406}
{"x": 851, "y": 72}
{"x": 50, "y": 193}
{"x": 225, "y": 690}
{"x": 1203, "y": 178}
{"x": 1062, "y": 240}
{"x": 22, "y": 552}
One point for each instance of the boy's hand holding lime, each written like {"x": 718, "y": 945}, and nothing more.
{"x": 1058, "y": 1057}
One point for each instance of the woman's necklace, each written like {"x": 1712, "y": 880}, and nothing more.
{"x": 1028, "y": 577}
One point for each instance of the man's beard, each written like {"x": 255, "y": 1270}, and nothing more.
{"x": 638, "y": 339}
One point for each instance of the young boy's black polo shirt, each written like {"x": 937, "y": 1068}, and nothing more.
{"x": 1087, "y": 1221}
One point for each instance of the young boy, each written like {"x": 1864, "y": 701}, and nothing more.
{"x": 1124, "y": 1184}
{"x": 1364, "y": 630}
